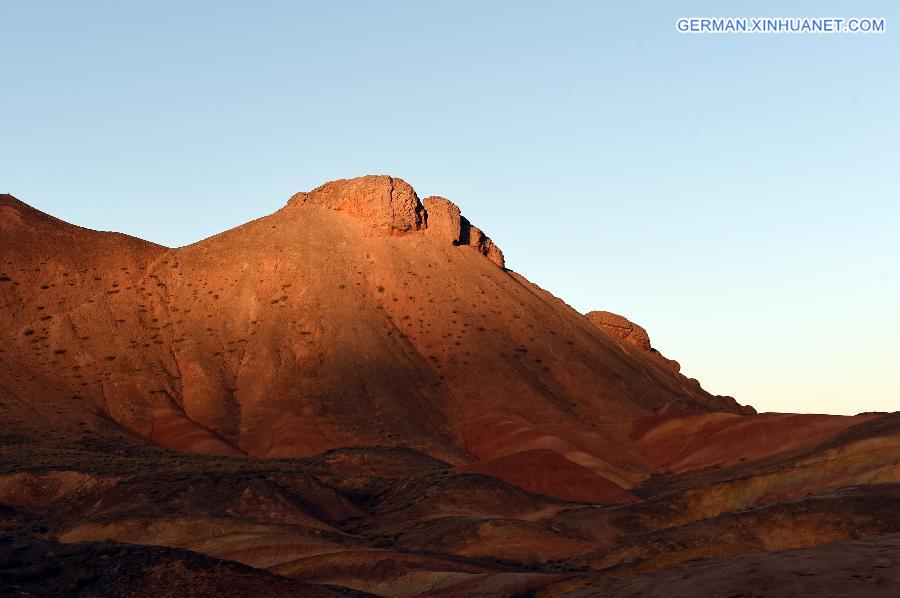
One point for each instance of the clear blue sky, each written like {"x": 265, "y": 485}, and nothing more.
{"x": 739, "y": 196}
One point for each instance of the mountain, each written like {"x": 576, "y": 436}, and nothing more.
{"x": 355, "y": 315}
{"x": 355, "y": 391}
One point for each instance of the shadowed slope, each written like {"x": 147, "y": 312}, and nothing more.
{"x": 37, "y": 567}
{"x": 546, "y": 472}
{"x": 849, "y": 568}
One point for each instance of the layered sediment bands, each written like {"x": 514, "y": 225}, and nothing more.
{"x": 397, "y": 522}
{"x": 355, "y": 391}
{"x": 546, "y": 472}
{"x": 40, "y": 567}
{"x": 844, "y": 568}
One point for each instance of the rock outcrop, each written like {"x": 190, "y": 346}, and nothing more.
{"x": 474, "y": 237}
{"x": 623, "y": 328}
{"x": 391, "y": 205}
{"x": 388, "y": 203}
{"x": 445, "y": 220}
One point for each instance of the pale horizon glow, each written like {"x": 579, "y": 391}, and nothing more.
{"x": 738, "y": 196}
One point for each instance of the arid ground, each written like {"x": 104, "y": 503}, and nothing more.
{"x": 353, "y": 395}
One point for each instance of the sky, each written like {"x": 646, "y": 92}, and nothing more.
{"x": 737, "y": 195}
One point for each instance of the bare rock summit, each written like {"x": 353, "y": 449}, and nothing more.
{"x": 388, "y": 203}
{"x": 391, "y": 205}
